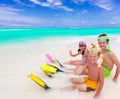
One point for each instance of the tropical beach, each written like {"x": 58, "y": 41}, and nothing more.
{"x": 32, "y": 29}
{"x": 18, "y": 60}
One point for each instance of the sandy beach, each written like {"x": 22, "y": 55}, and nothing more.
{"x": 18, "y": 60}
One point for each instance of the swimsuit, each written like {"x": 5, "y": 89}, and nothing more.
{"x": 91, "y": 85}
{"x": 84, "y": 59}
{"x": 107, "y": 72}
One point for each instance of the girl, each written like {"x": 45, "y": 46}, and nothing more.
{"x": 79, "y": 63}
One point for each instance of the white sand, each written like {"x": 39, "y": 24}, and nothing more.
{"x": 19, "y": 60}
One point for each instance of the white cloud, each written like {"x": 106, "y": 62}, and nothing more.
{"x": 65, "y": 8}
{"x": 115, "y": 20}
{"x": 104, "y": 4}
{"x": 54, "y": 4}
{"x": 10, "y": 17}
{"x": 19, "y": 1}
{"x": 79, "y": 1}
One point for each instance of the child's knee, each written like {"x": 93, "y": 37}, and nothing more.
{"x": 73, "y": 87}
{"x": 72, "y": 79}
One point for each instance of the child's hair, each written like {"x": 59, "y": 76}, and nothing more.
{"x": 95, "y": 50}
{"x": 104, "y": 36}
{"x": 82, "y": 44}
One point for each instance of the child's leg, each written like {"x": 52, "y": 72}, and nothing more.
{"x": 81, "y": 87}
{"x": 74, "y": 62}
{"x": 77, "y": 80}
{"x": 74, "y": 71}
{"x": 78, "y": 70}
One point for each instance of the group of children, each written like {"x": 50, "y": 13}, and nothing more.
{"x": 95, "y": 73}
{"x": 96, "y": 64}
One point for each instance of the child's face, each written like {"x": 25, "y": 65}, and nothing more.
{"x": 102, "y": 44}
{"x": 82, "y": 47}
{"x": 93, "y": 57}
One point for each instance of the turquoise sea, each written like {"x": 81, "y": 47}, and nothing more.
{"x": 19, "y": 35}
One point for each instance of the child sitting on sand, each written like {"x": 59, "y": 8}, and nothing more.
{"x": 79, "y": 63}
{"x": 95, "y": 78}
{"x": 109, "y": 59}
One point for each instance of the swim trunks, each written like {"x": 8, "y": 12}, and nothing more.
{"x": 91, "y": 85}
{"x": 107, "y": 72}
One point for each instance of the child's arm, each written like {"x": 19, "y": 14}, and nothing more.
{"x": 101, "y": 83}
{"x": 117, "y": 63}
{"x": 85, "y": 71}
{"x": 74, "y": 55}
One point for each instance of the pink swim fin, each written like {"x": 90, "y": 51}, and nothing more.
{"x": 53, "y": 60}
{"x": 49, "y": 58}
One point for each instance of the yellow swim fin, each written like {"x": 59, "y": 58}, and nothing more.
{"x": 50, "y": 69}
{"x": 47, "y": 73}
{"x": 37, "y": 80}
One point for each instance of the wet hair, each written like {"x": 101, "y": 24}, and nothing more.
{"x": 102, "y": 35}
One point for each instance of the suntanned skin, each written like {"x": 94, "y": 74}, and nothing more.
{"x": 80, "y": 65}
{"x": 94, "y": 73}
{"x": 77, "y": 62}
{"x": 109, "y": 58}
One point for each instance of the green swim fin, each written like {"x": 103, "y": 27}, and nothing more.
{"x": 59, "y": 63}
{"x": 40, "y": 82}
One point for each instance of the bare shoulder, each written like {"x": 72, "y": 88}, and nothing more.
{"x": 111, "y": 53}
{"x": 113, "y": 57}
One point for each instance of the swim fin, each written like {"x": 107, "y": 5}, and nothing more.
{"x": 59, "y": 63}
{"x": 53, "y": 60}
{"x": 50, "y": 69}
{"x": 47, "y": 73}
{"x": 40, "y": 82}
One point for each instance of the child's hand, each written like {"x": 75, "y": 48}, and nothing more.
{"x": 115, "y": 80}
{"x": 96, "y": 96}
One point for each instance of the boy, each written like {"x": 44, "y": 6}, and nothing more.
{"x": 95, "y": 79}
{"x": 109, "y": 58}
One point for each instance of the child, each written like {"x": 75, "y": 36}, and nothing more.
{"x": 83, "y": 51}
{"x": 79, "y": 63}
{"x": 95, "y": 79}
{"x": 109, "y": 58}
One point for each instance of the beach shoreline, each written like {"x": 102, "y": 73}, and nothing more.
{"x": 18, "y": 60}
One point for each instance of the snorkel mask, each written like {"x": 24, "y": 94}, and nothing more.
{"x": 107, "y": 39}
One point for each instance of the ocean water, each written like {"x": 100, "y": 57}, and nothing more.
{"x": 20, "y": 35}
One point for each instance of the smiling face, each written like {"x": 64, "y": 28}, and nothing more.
{"x": 93, "y": 57}
{"x": 82, "y": 48}
{"x": 102, "y": 44}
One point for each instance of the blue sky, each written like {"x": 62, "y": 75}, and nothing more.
{"x": 59, "y": 13}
